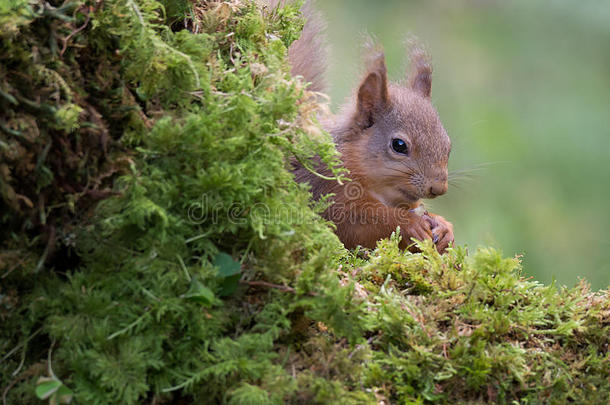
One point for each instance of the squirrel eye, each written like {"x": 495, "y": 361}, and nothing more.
{"x": 400, "y": 146}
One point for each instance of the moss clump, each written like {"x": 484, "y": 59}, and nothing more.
{"x": 155, "y": 247}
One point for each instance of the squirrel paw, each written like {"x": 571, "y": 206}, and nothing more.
{"x": 417, "y": 227}
{"x": 442, "y": 231}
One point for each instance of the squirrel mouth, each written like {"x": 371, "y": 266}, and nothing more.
{"x": 408, "y": 196}
{"x": 396, "y": 197}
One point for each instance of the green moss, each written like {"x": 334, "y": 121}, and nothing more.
{"x": 67, "y": 117}
{"x": 156, "y": 248}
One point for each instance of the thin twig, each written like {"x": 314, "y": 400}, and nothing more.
{"x": 51, "y": 373}
{"x": 73, "y": 33}
{"x": 274, "y": 286}
{"x": 34, "y": 369}
{"x": 19, "y": 263}
{"x": 10, "y": 353}
{"x": 46, "y": 251}
{"x": 268, "y": 285}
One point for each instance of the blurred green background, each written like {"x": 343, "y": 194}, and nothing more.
{"x": 523, "y": 88}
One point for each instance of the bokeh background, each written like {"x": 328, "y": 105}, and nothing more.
{"x": 523, "y": 88}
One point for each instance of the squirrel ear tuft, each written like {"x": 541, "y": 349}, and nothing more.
{"x": 373, "y": 91}
{"x": 420, "y": 78}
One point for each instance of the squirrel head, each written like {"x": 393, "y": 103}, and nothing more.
{"x": 396, "y": 143}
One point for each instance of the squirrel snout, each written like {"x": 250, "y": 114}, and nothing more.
{"x": 436, "y": 189}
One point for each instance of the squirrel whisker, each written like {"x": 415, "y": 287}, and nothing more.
{"x": 408, "y": 173}
{"x": 476, "y": 168}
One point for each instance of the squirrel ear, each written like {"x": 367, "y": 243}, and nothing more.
{"x": 420, "y": 79}
{"x": 373, "y": 92}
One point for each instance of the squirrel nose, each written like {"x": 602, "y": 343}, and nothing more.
{"x": 437, "y": 189}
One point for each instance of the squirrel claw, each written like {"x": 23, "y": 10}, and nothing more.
{"x": 442, "y": 232}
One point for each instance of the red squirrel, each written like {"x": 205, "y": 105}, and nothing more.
{"x": 392, "y": 143}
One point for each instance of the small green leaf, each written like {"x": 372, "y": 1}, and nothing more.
{"x": 229, "y": 271}
{"x": 47, "y": 388}
{"x": 227, "y": 266}
{"x": 199, "y": 293}
{"x": 65, "y": 394}
{"x": 229, "y": 284}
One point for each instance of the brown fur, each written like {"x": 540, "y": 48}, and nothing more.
{"x": 308, "y": 54}
{"x": 385, "y": 185}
